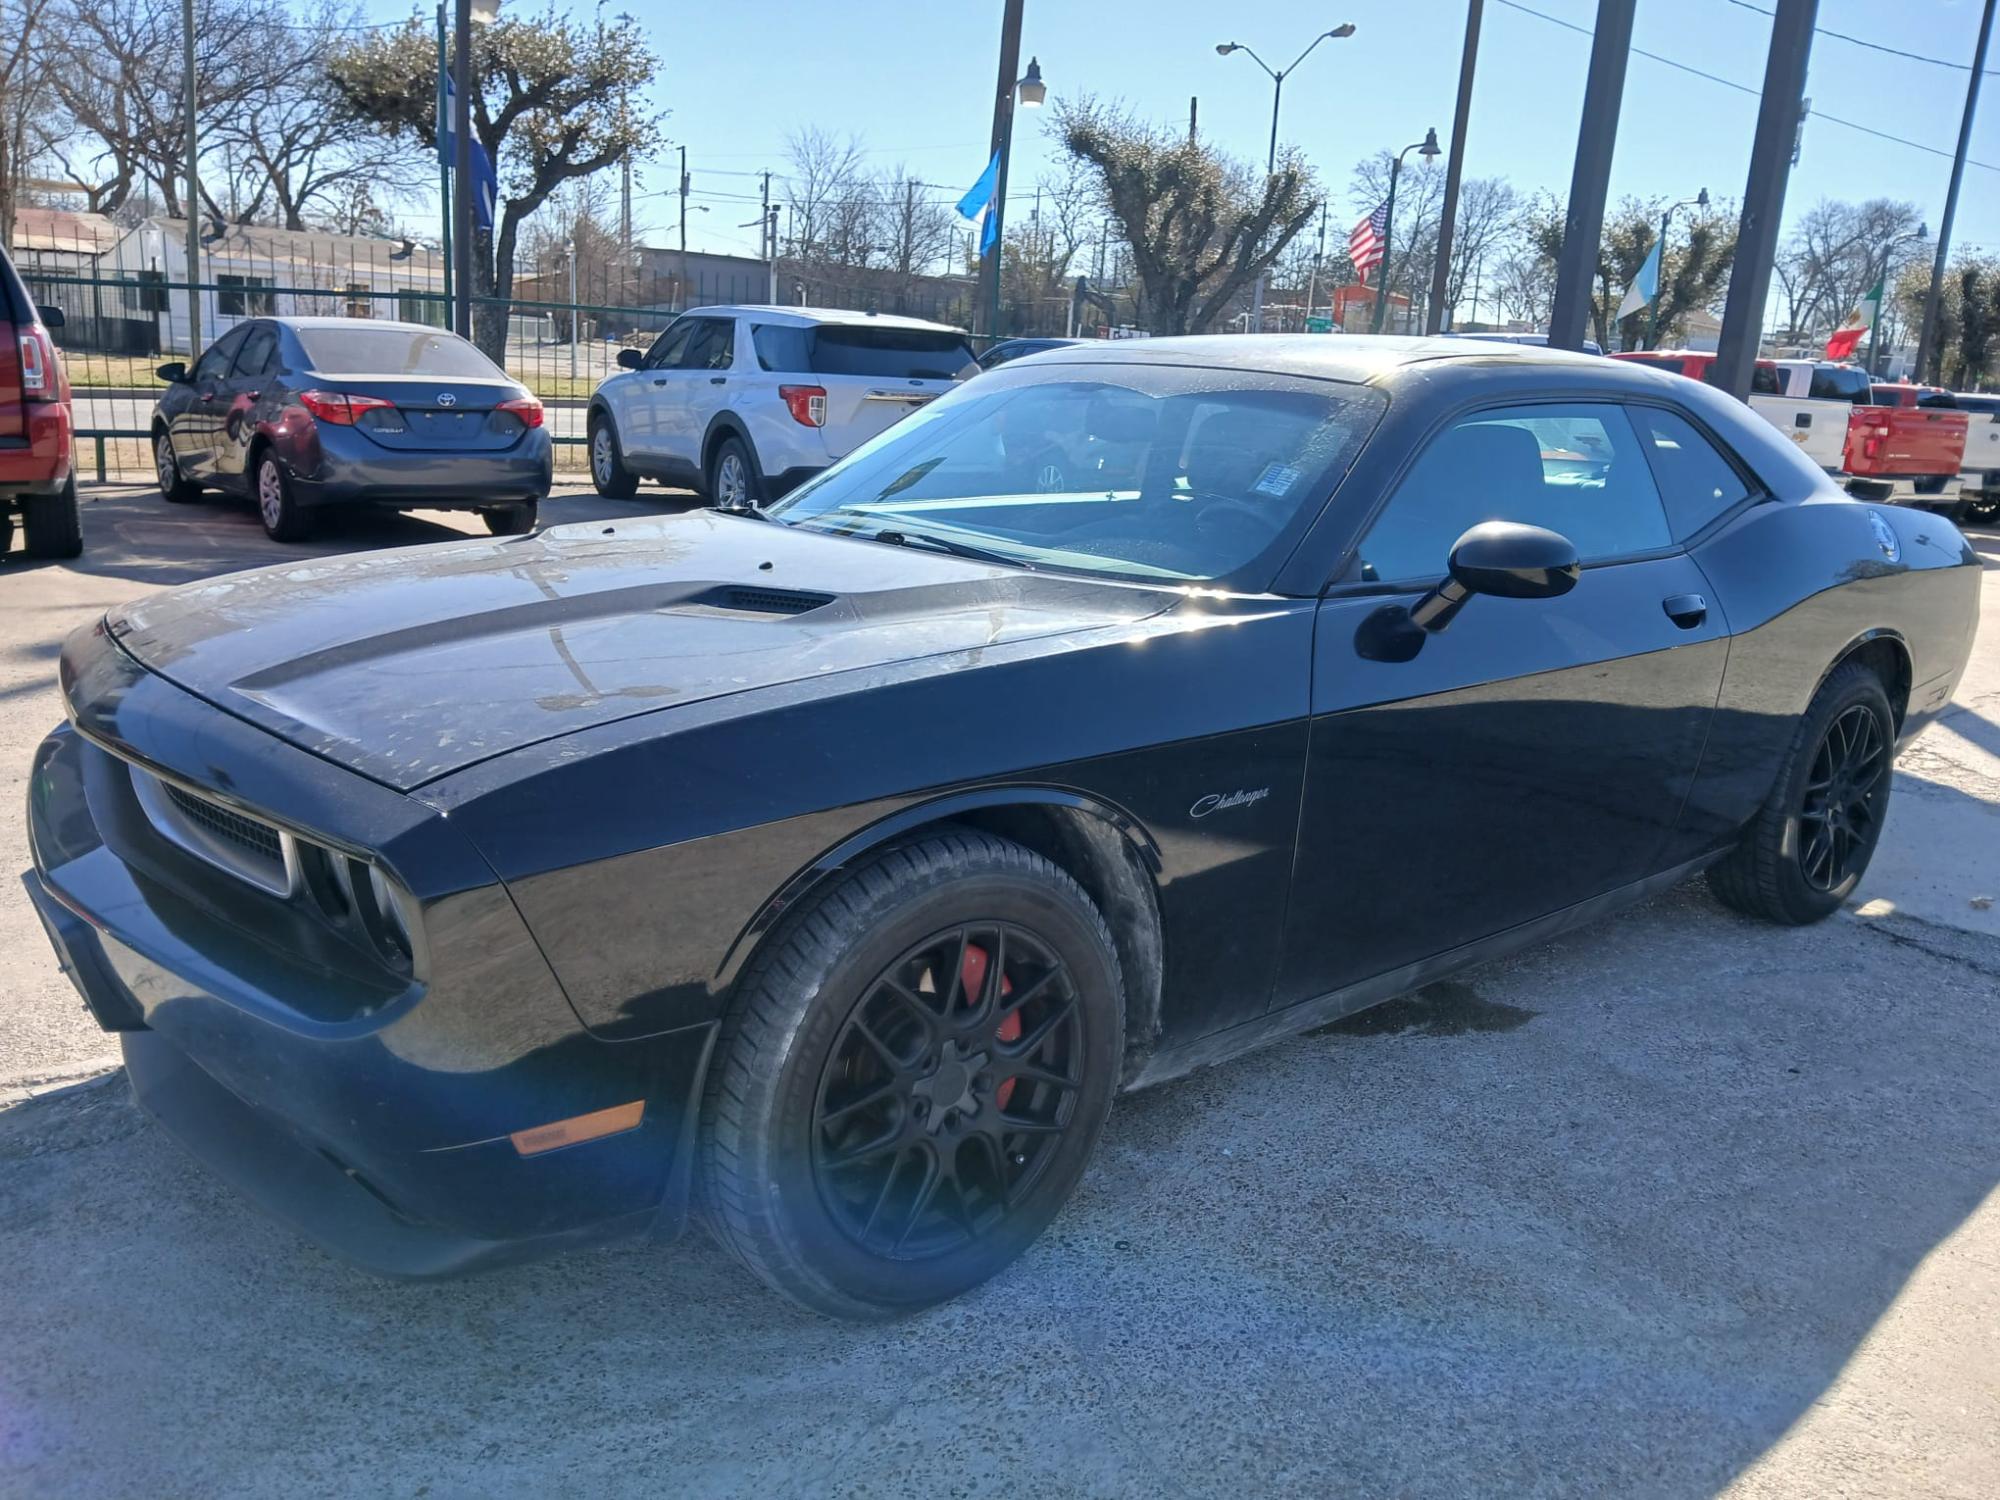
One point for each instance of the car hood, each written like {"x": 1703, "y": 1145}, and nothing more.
{"x": 410, "y": 664}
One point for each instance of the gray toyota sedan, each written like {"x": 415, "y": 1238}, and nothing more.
{"x": 302, "y": 413}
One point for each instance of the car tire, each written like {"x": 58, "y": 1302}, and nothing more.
{"x": 167, "y": 468}
{"x": 607, "y": 461}
{"x": 511, "y": 520}
{"x": 732, "y": 481}
{"x": 6, "y": 531}
{"x": 1984, "y": 511}
{"x": 52, "y": 525}
{"x": 1806, "y": 850}
{"x": 820, "y": 1044}
{"x": 285, "y": 520}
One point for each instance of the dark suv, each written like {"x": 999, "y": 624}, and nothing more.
{"x": 37, "y": 463}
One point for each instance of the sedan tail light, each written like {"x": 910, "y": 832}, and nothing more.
{"x": 527, "y": 408}
{"x": 38, "y": 364}
{"x": 808, "y": 403}
{"x": 341, "y": 409}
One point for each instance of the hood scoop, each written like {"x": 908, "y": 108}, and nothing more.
{"x": 747, "y": 599}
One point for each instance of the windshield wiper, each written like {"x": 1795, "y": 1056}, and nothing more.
{"x": 945, "y": 544}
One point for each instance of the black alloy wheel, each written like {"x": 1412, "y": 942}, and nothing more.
{"x": 1840, "y": 817}
{"x": 1801, "y": 857}
{"x": 911, "y": 1076}
{"x": 946, "y": 1089}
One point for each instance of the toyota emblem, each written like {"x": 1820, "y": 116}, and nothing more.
{"x": 447, "y": 399}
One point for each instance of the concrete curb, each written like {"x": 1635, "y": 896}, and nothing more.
{"x": 18, "y": 1088}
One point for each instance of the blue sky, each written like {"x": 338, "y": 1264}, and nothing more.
{"x": 914, "y": 83}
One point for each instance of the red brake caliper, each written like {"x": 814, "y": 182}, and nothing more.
{"x": 972, "y": 978}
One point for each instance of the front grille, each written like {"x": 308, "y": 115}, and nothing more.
{"x": 247, "y": 847}
{"x": 258, "y": 840}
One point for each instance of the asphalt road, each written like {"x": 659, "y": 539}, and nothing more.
{"x": 1678, "y": 1204}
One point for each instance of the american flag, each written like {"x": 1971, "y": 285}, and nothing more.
{"x": 1365, "y": 243}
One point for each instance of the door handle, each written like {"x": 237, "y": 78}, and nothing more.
{"x": 1685, "y": 610}
{"x": 659, "y": 380}
{"x": 718, "y": 380}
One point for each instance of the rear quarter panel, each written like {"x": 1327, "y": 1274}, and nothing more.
{"x": 1803, "y": 584}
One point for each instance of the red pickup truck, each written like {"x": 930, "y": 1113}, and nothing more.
{"x": 37, "y": 459}
{"x": 1907, "y": 432}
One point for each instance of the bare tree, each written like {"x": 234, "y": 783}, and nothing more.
{"x": 914, "y": 231}
{"x": 24, "y": 89}
{"x": 1201, "y": 226}
{"x": 1836, "y": 252}
{"x": 115, "y": 70}
{"x": 831, "y": 198}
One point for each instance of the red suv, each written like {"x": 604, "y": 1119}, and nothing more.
{"x": 37, "y": 463}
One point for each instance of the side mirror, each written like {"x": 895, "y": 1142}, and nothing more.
{"x": 174, "y": 372}
{"x": 630, "y": 359}
{"x": 1503, "y": 558}
{"x": 52, "y": 317}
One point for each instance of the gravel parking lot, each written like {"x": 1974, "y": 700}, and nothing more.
{"x": 1677, "y": 1204}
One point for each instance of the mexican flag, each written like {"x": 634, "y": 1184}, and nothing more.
{"x": 1848, "y": 334}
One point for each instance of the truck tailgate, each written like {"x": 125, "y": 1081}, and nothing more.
{"x": 1889, "y": 442}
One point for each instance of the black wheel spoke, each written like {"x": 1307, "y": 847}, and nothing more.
{"x": 912, "y": 1149}
{"x": 921, "y": 1204}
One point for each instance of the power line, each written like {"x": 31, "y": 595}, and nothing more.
{"x": 1841, "y": 36}
{"x": 1744, "y": 88}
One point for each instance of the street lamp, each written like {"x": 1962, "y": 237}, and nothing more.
{"x": 1428, "y": 149}
{"x": 1921, "y": 233}
{"x": 1699, "y": 200}
{"x": 483, "y": 12}
{"x": 1032, "y": 92}
{"x": 1278, "y": 77}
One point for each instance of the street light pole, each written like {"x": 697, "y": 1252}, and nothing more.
{"x": 1700, "y": 200}
{"x": 572, "y": 306}
{"x": 193, "y": 183}
{"x": 1032, "y": 92}
{"x": 1927, "y": 355}
{"x": 444, "y": 159}
{"x": 1428, "y": 147}
{"x": 1277, "y": 77}
{"x": 1437, "y": 315}
{"x": 1875, "y": 328}
{"x": 461, "y": 129}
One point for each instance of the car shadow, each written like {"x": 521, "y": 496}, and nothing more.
{"x": 1612, "y": 1216}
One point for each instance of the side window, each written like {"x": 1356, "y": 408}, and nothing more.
{"x": 1764, "y": 381}
{"x": 1576, "y": 469}
{"x": 712, "y": 347}
{"x": 214, "y": 364}
{"x": 257, "y": 356}
{"x": 666, "y": 350}
{"x": 781, "y": 348}
{"x": 1697, "y": 483}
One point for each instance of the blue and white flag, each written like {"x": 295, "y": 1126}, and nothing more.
{"x": 978, "y": 200}
{"x": 1645, "y": 286}
{"x": 485, "y": 186}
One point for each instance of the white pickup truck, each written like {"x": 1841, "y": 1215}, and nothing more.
{"x": 1807, "y": 401}
{"x": 1979, "y": 477}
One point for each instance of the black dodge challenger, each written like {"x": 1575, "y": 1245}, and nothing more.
{"x": 823, "y": 872}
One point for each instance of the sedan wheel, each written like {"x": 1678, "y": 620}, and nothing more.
{"x": 1841, "y": 817}
{"x": 168, "y": 469}
{"x": 912, "y": 1077}
{"x": 283, "y": 517}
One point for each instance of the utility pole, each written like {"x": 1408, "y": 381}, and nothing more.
{"x": 768, "y": 230}
{"x": 1003, "y": 134}
{"x": 1319, "y": 255}
{"x": 1194, "y": 108}
{"x": 572, "y": 305}
{"x": 194, "y": 183}
{"x": 462, "y": 210}
{"x": 1439, "y": 313}
{"x": 1597, "y": 133}
{"x": 1778, "y": 118}
{"x": 1928, "y": 355}
{"x": 684, "y": 230}
{"x": 625, "y": 182}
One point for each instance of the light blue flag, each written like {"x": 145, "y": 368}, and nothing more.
{"x": 1645, "y": 286}
{"x": 978, "y": 200}
{"x": 485, "y": 185}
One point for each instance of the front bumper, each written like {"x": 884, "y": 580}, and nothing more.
{"x": 385, "y": 1136}
{"x": 353, "y": 469}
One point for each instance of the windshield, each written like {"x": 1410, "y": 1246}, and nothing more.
{"x": 395, "y": 351}
{"x": 1145, "y": 471}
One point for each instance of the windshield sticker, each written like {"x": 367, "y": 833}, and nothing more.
{"x": 1276, "y": 480}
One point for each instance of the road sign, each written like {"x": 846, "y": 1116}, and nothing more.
{"x": 1319, "y": 325}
